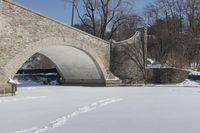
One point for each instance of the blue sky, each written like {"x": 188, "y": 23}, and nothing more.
{"x": 57, "y": 9}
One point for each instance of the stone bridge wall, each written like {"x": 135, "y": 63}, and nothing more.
{"x": 24, "y": 32}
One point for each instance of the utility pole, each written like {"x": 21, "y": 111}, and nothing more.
{"x": 73, "y": 6}
{"x": 0, "y": 6}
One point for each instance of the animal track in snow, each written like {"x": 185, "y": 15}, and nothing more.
{"x": 62, "y": 120}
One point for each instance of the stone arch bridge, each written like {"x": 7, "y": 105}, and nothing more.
{"x": 79, "y": 57}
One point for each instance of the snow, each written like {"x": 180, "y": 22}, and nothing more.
{"x": 21, "y": 99}
{"x": 11, "y": 81}
{"x": 196, "y": 73}
{"x": 154, "y": 64}
{"x": 62, "y": 120}
{"x": 186, "y": 83}
{"x": 150, "y": 60}
{"x": 58, "y": 109}
{"x": 190, "y": 83}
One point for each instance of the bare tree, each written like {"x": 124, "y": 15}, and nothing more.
{"x": 103, "y": 16}
{"x": 192, "y": 10}
{"x": 126, "y": 28}
{"x": 174, "y": 25}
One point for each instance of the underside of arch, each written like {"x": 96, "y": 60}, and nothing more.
{"x": 75, "y": 66}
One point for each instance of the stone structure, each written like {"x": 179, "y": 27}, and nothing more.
{"x": 166, "y": 75}
{"x": 24, "y": 33}
{"x": 128, "y": 59}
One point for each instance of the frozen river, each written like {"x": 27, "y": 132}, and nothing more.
{"x": 101, "y": 110}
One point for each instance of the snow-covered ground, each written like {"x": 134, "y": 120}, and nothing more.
{"x": 190, "y": 83}
{"x": 186, "y": 83}
{"x": 192, "y": 72}
{"x": 57, "y": 109}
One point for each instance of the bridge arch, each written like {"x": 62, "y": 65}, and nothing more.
{"x": 47, "y": 46}
{"x": 75, "y": 66}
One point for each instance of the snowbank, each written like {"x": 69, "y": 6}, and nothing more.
{"x": 195, "y": 73}
{"x": 191, "y": 83}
